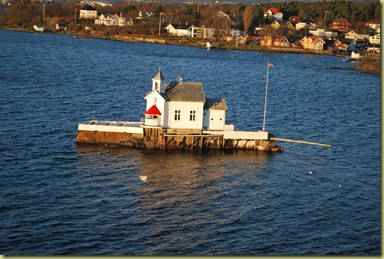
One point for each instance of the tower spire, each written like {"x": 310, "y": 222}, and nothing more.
{"x": 158, "y": 82}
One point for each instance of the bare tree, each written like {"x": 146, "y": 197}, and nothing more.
{"x": 221, "y": 25}
{"x": 207, "y": 14}
{"x": 248, "y": 16}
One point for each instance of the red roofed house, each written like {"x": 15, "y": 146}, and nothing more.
{"x": 294, "y": 19}
{"x": 228, "y": 36}
{"x": 281, "y": 41}
{"x": 340, "y": 25}
{"x": 312, "y": 42}
{"x": 253, "y": 40}
{"x": 273, "y": 13}
{"x": 338, "y": 45}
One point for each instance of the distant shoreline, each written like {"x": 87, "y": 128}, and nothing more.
{"x": 200, "y": 43}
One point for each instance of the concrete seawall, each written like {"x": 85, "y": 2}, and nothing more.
{"x": 131, "y": 134}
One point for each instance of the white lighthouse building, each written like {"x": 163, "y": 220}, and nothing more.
{"x": 183, "y": 106}
{"x": 177, "y": 116}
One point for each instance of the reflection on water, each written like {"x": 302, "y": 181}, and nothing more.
{"x": 175, "y": 166}
{"x": 185, "y": 195}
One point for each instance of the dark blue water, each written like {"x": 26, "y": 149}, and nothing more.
{"x": 58, "y": 197}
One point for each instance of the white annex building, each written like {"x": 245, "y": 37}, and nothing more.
{"x": 183, "y": 105}
{"x": 110, "y": 19}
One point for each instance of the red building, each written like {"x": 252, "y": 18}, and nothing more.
{"x": 273, "y": 13}
{"x": 340, "y": 25}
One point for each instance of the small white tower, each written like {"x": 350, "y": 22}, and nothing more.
{"x": 158, "y": 82}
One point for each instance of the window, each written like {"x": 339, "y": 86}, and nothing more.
{"x": 192, "y": 115}
{"x": 177, "y": 115}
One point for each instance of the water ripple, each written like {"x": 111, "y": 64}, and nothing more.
{"x": 63, "y": 198}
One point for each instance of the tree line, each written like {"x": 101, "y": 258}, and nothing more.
{"x": 245, "y": 17}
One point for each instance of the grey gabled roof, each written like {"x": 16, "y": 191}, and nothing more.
{"x": 181, "y": 26}
{"x": 185, "y": 91}
{"x": 165, "y": 97}
{"x": 216, "y": 104}
{"x": 88, "y": 8}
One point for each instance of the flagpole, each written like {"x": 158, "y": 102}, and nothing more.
{"x": 160, "y": 23}
{"x": 266, "y": 96}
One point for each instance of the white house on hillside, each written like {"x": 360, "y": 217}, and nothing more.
{"x": 38, "y": 28}
{"x": 202, "y": 32}
{"x": 354, "y": 35}
{"x": 179, "y": 30}
{"x": 145, "y": 16}
{"x": 323, "y": 33}
{"x": 375, "y": 39}
{"x": 303, "y": 25}
{"x": 183, "y": 105}
{"x": 374, "y": 25}
{"x": 88, "y": 12}
{"x": 110, "y": 19}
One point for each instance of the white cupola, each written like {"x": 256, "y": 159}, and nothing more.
{"x": 158, "y": 82}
